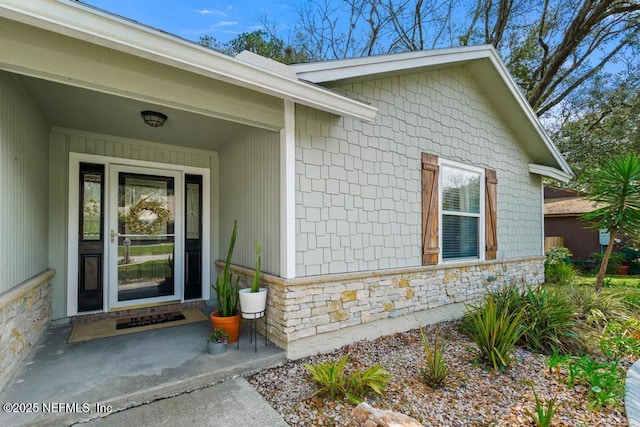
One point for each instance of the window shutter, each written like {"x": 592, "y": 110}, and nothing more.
{"x": 430, "y": 249}
{"x": 491, "y": 214}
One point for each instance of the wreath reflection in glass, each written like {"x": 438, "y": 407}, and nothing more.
{"x": 137, "y": 225}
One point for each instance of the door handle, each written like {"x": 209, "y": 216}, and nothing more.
{"x": 112, "y": 235}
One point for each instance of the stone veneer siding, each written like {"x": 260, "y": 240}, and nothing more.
{"x": 311, "y": 314}
{"x": 25, "y": 312}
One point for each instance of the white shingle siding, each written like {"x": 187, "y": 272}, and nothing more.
{"x": 358, "y": 184}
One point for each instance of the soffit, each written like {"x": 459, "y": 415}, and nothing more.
{"x": 108, "y": 114}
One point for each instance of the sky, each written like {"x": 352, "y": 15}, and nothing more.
{"x": 191, "y": 19}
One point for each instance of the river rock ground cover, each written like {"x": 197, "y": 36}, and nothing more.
{"x": 473, "y": 395}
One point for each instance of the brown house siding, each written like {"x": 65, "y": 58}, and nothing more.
{"x": 581, "y": 241}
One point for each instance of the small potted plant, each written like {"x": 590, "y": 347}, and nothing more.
{"x": 253, "y": 300}
{"x": 217, "y": 342}
{"x": 227, "y": 316}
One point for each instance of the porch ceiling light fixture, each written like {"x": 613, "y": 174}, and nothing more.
{"x": 153, "y": 118}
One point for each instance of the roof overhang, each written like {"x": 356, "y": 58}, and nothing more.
{"x": 485, "y": 65}
{"x": 87, "y": 23}
{"x": 551, "y": 172}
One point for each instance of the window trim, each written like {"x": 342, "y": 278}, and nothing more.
{"x": 481, "y": 215}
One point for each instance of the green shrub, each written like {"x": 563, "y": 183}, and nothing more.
{"x": 551, "y": 323}
{"x": 335, "y": 383}
{"x": 557, "y": 267}
{"x": 436, "y": 371}
{"x": 557, "y": 255}
{"x": 543, "y": 415}
{"x": 549, "y": 319}
{"x": 619, "y": 339}
{"x": 614, "y": 264}
{"x": 604, "y": 379}
{"x": 330, "y": 376}
{"x": 597, "y": 309}
{"x": 362, "y": 383}
{"x": 495, "y": 330}
{"x": 559, "y": 274}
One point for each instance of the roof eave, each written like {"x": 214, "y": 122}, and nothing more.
{"x": 84, "y": 22}
{"x": 550, "y": 172}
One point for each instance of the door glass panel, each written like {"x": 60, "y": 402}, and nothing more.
{"x": 146, "y": 239}
{"x": 91, "y": 206}
{"x": 193, "y": 210}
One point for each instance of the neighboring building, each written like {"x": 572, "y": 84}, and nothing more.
{"x": 562, "y": 210}
{"x": 385, "y": 190}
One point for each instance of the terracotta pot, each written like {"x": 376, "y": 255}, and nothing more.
{"x": 624, "y": 270}
{"x": 230, "y": 324}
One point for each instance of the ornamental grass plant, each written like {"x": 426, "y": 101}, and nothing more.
{"x": 495, "y": 328}
{"x": 336, "y": 383}
{"x": 436, "y": 371}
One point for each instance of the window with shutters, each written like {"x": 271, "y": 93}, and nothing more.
{"x": 458, "y": 211}
{"x": 461, "y": 201}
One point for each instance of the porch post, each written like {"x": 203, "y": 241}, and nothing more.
{"x": 288, "y": 193}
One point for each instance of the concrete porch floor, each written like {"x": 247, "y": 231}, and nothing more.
{"x": 126, "y": 372}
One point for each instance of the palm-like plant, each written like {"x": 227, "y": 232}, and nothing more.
{"x": 615, "y": 185}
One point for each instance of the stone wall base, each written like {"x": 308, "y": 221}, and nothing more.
{"x": 25, "y": 313}
{"x": 314, "y": 314}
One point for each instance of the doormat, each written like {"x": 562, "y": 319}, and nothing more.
{"x": 109, "y": 328}
{"x": 152, "y": 319}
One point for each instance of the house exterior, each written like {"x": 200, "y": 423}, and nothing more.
{"x": 562, "y": 210}
{"x": 385, "y": 191}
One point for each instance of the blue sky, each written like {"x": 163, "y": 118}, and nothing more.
{"x": 191, "y": 19}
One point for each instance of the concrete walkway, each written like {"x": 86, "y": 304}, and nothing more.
{"x": 140, "y": 373}
{"x": 632, "y": 395}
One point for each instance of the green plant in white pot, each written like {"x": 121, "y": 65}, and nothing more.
{"x": 253, "y": 300}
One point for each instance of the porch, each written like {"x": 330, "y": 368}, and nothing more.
{"x": 126, "y": 371}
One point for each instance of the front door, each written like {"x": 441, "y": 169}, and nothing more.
{"x": 145, "y": 235}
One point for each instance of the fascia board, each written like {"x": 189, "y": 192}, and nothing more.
{"x": 342, "y": 69}
{"x": 90, "y": 24}
{"x": 550, "y": 172}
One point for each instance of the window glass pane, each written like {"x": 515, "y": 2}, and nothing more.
{"x": 91, "y": 207}
{"x": 146, "y": 243}
{"x": 460, "y": 190}
{"x": 459, "y": 237}
{"x": 193, "y": 210}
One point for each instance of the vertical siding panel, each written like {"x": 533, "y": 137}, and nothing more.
{"x": 23, "y": 184}
{"x": 249, "y": 192}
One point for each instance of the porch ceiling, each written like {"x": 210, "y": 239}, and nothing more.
{"x": 93, "y": 111}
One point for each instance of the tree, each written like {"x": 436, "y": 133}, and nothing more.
{"x": 260, "y": 42}
{"x": 552, "y": 47}
{"x": 604, "y": 119}
{"x": 615, "y": 184}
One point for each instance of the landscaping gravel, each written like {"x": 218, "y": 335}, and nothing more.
{"x": 472, "y": 395}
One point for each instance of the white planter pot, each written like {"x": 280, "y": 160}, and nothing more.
{"x": 253, "y": 304}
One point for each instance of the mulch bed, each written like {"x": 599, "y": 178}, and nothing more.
{"x": 471, "y": 396}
